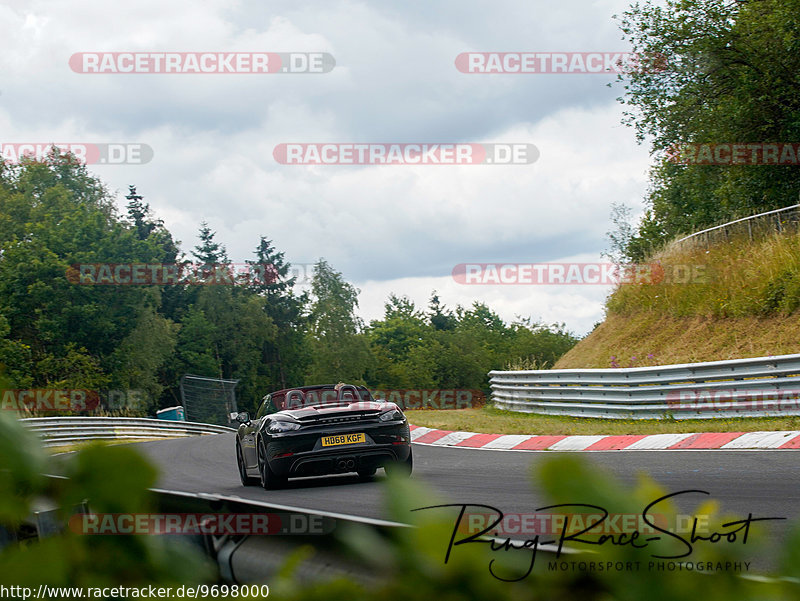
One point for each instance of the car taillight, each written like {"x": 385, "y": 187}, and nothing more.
{"x": 391, "y": 415}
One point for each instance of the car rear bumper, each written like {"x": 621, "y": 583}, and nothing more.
{"x": 302, "y": 454}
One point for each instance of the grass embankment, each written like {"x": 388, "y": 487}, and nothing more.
{"x": 743, "y": 302}
{"x": 494, "y": 421}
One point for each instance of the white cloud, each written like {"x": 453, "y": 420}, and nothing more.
{"x": 388, "y": 229}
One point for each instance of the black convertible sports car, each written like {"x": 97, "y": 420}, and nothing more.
{"x": 317, "y": 430}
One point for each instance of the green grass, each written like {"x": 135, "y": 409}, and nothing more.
{"x": 494, "y": 421}
{"x": 733, "y": 279}
{"x": 744, "y": 302}
{"x": 77, "y": 446}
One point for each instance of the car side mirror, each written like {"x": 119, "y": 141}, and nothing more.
{"x": 242, "y": 418}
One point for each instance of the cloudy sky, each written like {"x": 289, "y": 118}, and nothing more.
{"x": 398, "y": 228}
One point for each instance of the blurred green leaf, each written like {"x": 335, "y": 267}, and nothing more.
{"x": 23, "y": 462}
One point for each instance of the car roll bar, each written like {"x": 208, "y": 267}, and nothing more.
{"x": 348, "y": 387}
{"x": 291, "y": 395}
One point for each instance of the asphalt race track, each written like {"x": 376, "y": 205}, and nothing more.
{"x": 764, "y": 483}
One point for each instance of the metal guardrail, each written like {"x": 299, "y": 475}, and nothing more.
{"x": 757, "y": 387}
{"x": 258, "y": 558}
{"x": 67, "y": 430}
{"x": 244, "y": 558}
{"x": 767, "y": 221}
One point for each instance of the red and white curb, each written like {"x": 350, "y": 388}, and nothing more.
{"x": 633, "y": 442}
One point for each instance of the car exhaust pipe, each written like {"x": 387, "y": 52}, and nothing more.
{"x": 351, "y": 464}
{"x": 341, "y": 465}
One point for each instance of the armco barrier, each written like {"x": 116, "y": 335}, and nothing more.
{"x": 256, "y": 558}
{"x": 757, "y": 387}
{"x": 778, "y": 220}
{"x": 67, "y": 430}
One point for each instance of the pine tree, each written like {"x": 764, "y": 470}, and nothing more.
{"x": 439, "y": 317}
{"x": 268, "y": 273}
{"x": 209, "y": 252}
{"x": 140, "y": 215}
{"x": 285, "y": 357}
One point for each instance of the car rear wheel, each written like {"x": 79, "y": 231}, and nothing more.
{"x": 401, "y": 468}
{"x": 246, "y": 480}
{"x": 269, "y": 479}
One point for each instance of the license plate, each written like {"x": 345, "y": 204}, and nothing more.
{"x": 340, "y": 439}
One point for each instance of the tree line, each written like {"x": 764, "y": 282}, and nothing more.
{"x": 263, "y": 331}
{"x": 731, "y": 71}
